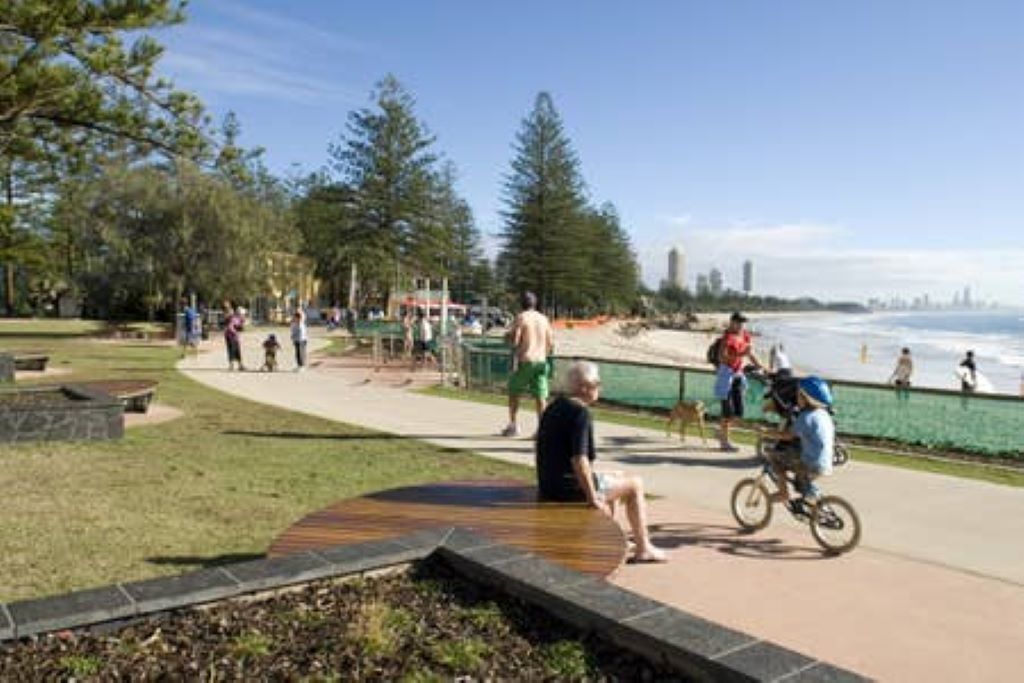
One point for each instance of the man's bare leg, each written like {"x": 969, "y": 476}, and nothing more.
{"x": 630, "y": 490}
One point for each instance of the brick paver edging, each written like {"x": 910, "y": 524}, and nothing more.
{"x": 697, "y": 648}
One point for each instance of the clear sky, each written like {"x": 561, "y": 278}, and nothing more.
{"x": 850, "y": 150}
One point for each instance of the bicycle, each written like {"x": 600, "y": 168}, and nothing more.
{"x": 834, "y": 522}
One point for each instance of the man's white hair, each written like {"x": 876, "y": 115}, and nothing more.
{"x": 581, "y": 373}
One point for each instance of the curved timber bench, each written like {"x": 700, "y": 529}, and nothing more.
{"x": 136, "y": 394}
{"x": 570, "y": 534}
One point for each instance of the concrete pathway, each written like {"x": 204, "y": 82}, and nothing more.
{"x": 935, "y": 590}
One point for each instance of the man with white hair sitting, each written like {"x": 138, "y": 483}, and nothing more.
{"x": 565, "y": 451}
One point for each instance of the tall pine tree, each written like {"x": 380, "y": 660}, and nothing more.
{"x": 386, "y": 160}
{"x": 575, "y": 258}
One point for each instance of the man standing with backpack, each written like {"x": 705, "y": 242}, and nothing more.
{"x": 730, "y": 383}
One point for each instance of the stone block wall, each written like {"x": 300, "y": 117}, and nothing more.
{"x": 91, "y": 416}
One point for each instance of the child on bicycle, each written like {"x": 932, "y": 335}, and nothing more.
{"x": 815, "y": 430}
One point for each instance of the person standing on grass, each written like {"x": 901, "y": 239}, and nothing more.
{"x": 300, "y": 337}
{"x": 233, "y": 338}
{"x": 532, "y": 342}
{"x": 900, "y": 377}
{"x": 730, "y": 382}
{"x": 565, "y": 453}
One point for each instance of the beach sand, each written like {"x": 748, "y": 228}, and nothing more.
{"x": 656, "y": 346}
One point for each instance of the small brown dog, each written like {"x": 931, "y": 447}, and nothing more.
{"x": 686, "y": 412}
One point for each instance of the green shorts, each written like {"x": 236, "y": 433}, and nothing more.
{"x": 530, "y": 378}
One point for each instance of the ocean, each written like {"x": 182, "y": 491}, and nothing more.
{"x": 830, "y": 344}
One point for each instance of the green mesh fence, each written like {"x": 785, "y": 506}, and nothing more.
{"x": 941, "y": 419}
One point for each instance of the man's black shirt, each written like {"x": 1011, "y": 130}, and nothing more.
{"x": 565, "y": 431}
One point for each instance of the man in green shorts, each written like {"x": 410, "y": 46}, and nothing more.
{"x": 532, "y": 343}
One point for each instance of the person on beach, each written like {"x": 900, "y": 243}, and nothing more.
{"x": 900, "y": 377}
{"x": 968, "y": 378}
{"x": 300, "y": 338}
{"x": 730, "y": 382}
{"x": 778, "y": 361}
{"x": 565, "y": 453}
{"x": 233, "y": 338}
{"x": 532, "y": 342}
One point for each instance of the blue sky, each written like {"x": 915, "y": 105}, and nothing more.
{"x": 849, "y": 149}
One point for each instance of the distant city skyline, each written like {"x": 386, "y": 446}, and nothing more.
{"x": 845, "y": 158}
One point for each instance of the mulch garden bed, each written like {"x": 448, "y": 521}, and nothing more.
{"x": 425, "y": 625}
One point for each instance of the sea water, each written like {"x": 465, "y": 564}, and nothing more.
{"x": 831, "y": 345}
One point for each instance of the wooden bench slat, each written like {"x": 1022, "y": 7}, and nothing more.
{"x": 570, "y": 534}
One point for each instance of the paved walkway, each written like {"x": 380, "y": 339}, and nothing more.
{"x": 936, "y": 589}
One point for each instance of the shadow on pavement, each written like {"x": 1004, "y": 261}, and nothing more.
{"x": 723, "y": 462}
{"x": 731, "y": 541}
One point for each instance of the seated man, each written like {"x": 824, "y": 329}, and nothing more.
{"x": 816, "y": 431}
{"x": 565, "y": 450}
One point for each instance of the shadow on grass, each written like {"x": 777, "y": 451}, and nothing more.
{"x": 204, "y": 562}
{"x": 371, "y": 436}
{"x": 732, "y": 541}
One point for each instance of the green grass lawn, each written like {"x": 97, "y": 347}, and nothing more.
{"x": 995, "y": 474}
{"x": 216, "y": 485}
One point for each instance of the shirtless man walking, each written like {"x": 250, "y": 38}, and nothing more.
{"x": 532, "y": 343}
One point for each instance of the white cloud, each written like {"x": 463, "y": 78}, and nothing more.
{"x": 262, "y": 54}
{"x": 818, "y": 260}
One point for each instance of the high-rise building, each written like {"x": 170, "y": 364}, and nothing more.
{"x": 715, "y": 280}
{"x": 967, "y": 297}
{"x": 677, "y": 268}
{"x": 748, "y": 277}
{"x": 702, "y": 284}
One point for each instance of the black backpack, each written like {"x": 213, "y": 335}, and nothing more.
{"x": 714, "y": 351}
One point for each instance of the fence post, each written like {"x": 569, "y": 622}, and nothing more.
{"x": 682, "y": 383}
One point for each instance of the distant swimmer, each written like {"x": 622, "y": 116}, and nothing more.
{"x": 900, "y": 377}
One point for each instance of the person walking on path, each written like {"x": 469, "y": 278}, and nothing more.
{"x": 730, "y": 382}
{"x": 190, "y": 329}
{"x": 532, "y": 343}
{"x": 407, "y": 336}
{"x": 233, "y": 338}
{"x": 900, "y": 377}
{"x": 425, "y": 331}
{"x": 565, "y": 452}
{"x": 300, "y": 338}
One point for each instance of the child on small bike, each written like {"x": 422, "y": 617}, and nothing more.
{"x": 814, "y": 429}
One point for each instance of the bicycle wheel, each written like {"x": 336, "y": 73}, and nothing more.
{"x": 840, "y": 455}
{"x": 750, "y": 505}
{"x": 835, "y": 525}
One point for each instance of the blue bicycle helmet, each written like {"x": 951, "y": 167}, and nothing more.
{"x": 817, "y": 390}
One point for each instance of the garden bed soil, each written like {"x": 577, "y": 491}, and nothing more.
{"x": 423, "y": 625}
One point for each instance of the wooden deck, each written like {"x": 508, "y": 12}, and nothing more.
{"x": 571, "y": 534}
